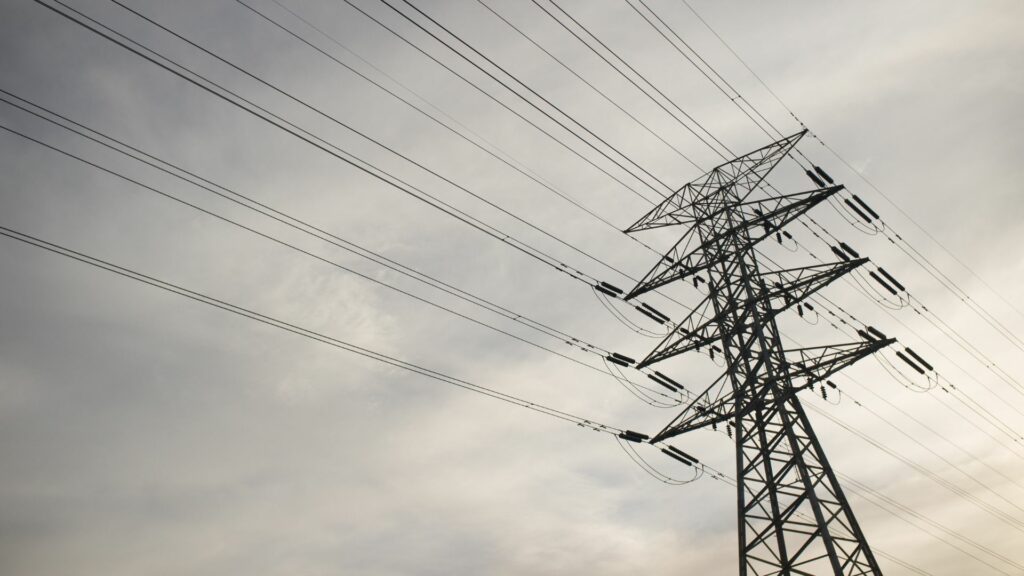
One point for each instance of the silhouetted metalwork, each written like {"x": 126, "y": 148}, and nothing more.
{"x": 793, "y": 515}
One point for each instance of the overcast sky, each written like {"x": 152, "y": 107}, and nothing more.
{"x": 143, "y": 433}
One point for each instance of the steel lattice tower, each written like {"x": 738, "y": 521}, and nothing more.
{"x": 792, "y": 513}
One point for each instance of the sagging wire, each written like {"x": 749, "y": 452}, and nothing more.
{"x": 978, "y": 355}
{"x": 863, "y": 226}
{"x": 803, "y": 307}
{"x": 784, "y": 234}
{"x": 605, "y": 301}
{"x": 872, "y": 293}
{"x": 879, "y": 275}
{"x": 711, "y": 354}
{"x": 900, "y": 377}
{"x": 823, "y": 390}
{"x": 626, "y": 445}
{"x": 615, "y": 372}
{"x": 939, "y": 324}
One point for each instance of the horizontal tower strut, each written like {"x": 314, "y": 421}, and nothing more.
{"x": 717, "y": 403}
{"x": 744, "y": 173}
{"x": 782, "y": 290}
{"x": 753, "y": 221}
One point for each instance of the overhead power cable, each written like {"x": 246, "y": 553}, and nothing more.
{"x": 736, "y": 97}
{"x": 856, "y": 172}
{"x": 499, "y": 102}
{"x": 579, "y": 344}
{"x": 304, "y": 332}
{"x": 312, "y": 139}
{"x": 595, "y": 89}
{"x": 938, "y": 479}
{"x": 536, "y": 94}
{"x": 919, "y": 521}
{"x": 514, "y": 164}
{"x": 644, "y": 79}
{"x": 591, "y": 85}
{"x": 993, "y": 322}
{"x": 359, "y": 133}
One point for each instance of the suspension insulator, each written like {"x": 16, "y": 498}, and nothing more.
{"x": 667, "y": 379}
{"x": 676, "y": 457}
{"x": 884, "y": 284}
{"x": 814, "y": 178}
{"x": 892, "y": 280}
{"x": 655, "y": 311}
{"x": 624, "y": 358}
{"x": 909, "y": 362}
{"x": 842, "y": 255}
{"x": 633, "y": 436}
{"x": 876, "y": 332}
{"x": 857, "y": 210}
{"x": 662, "y": 383}
{"x": 846, "y": 248}
{"x": 800, "y": 310}
{"x": 611, "y": 287}
{"x": 824, "y": 175}
{"x": 866, "y": 207}
{"x": 649, "y": 315}
{"x": 615, "y": 360}
{"x": 920, "y": 360}
{"x": 605, "y": 291}
{"x": 683, "y": 454}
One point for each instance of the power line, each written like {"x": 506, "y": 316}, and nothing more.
{"x": 849, "y": 166}
{"x": 578, "y": 37}
{"x": 534, "y": 93}
{"x": 639, "y": 75}
{"x": 357, "y": 132}
{"x": 433, "y": 118}
{"x": 992, "y": 322}
{"x": 569, "y": 69}
{"x": 572, "y": 341}
{"x": 327, "y": 147}
{"x": 304, "y": 332}
{"x": 310, "y": 138}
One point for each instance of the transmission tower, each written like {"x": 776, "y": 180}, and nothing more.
{"x": 793, "y": 516}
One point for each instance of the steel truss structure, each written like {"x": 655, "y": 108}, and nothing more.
{"x": 793, "y": 516}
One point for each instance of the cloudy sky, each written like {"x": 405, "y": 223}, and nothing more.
{"x": 144, "y": 433}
